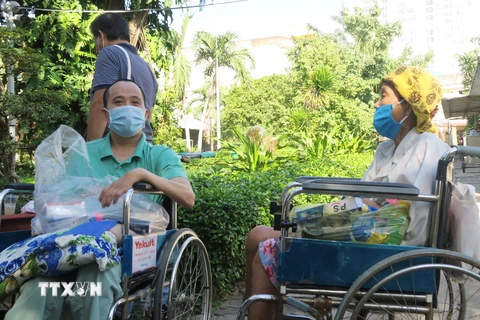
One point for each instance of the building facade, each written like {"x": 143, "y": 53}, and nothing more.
{"x": 443, "y": 26}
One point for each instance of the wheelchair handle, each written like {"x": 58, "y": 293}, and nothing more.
{"x": 468, "y": 151}
{"x": 21, "y": 186}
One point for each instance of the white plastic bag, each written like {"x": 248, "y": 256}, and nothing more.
{"x": 66, "y": 191}
{"x": 28, "y": 208}
{"x": 464, "y": 221}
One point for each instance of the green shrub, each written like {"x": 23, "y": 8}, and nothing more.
{"x": 254, "y": 151}
{"x": 229, "y": 205}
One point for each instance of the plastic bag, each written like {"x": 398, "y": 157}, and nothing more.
{"x": 66, "y": 191}
{"x": 386, "y": 225}
{"x": 464, "y": 221}
{"x": 28, "y": 208}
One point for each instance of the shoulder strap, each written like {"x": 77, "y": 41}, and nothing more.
{"x": 129, "y": 65}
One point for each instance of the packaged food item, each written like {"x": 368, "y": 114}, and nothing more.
{"x": 312, "y": 212}
{"x": 63, "y": 210}
{"x": 61, "y": 224}
{"x": 386, "y": 225}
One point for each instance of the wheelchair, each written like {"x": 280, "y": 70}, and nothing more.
{"x": 178, "y": 287}
{"x": 346, "y": 280}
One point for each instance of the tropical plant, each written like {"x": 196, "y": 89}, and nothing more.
{"x": 468, "y": 64}
{"x": 320, "y": 84}
{"x": 215, "y": 52}
{"x": 254, "y": 151}
{"x": 332, "y": 143}
{"x": 315, "y": 145}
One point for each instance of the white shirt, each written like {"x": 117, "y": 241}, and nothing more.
{"x": 474, "y": 132}
{"x": 414, "y": 162}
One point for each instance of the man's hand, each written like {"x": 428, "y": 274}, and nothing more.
{"x": 118, "y": 188}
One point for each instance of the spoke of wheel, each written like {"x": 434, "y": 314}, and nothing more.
{"x": 193, "y": 270}
{"x": 182, "y": 267}
{"x": 387, "y": 311}
{"x": 177, "y": 294}
{"x": 200, "y": 274}
{"x": 394, "y": 299}
{"x": 184, "y": 312}
{"x": 188, "y": 255}
{"x": 401, "y": 292}
{"x": 450, "y": 296}
{"x": 186, "y": 271}
{"x": 414, "y": 292}
{"x": 465, "y": 303}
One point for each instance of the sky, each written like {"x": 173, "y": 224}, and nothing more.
{"x": 261, "y": 18}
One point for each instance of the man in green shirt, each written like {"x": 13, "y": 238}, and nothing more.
{"x": 125, "y": 154}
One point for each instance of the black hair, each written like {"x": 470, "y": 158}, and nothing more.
{"x": 106, "y": 93}
{"x": 113, "y": 25}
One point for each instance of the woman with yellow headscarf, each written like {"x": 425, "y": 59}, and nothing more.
{"x": 408, "y": 96}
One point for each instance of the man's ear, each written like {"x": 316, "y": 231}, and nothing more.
{"x": 147, "y": 114}
{"x": 106, "y": 115}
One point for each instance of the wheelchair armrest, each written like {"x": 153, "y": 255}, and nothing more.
{"x": 20, "y": 186}
{"x": 184, "y": 159}
{"x": 354, "y": 186}
{"x": 143, "y": 186}
{"x": 303, "y": 179}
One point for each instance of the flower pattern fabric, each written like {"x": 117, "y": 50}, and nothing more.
{"x": 54, "y": 254}
{"x": 268, "y": 251}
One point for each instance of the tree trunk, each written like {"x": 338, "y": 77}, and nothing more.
{"x": 185, "y": 119}
{"x": 202, "y": 124}
{"x": 8, "y": 149}
{"x": 136, "y": 27}
{"x": 211, "y": 134}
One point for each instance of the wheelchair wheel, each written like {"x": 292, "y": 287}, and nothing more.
{"x": 455, "y": 277}
{"x": 183, "y": 285}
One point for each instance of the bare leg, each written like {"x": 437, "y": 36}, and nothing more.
{"x": 261, "y": 285}
{"x": 257, "y": 235}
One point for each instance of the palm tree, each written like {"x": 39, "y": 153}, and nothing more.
{"x": 181, "y": 70}
{"x": 215, "y": 52}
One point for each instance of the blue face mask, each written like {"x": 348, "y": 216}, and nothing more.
{"x": 126, "y": 121}
{"x": 384, "y": 123}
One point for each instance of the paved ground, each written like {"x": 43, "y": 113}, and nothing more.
{"x": 229, "y": 309}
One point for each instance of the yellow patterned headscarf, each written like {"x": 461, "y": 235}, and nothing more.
{"x": 421, "y": 90}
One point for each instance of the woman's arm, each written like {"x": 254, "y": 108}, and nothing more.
{"x": 178, "y": 189}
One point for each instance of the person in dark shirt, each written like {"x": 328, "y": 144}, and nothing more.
{"x": 117, "y": 59}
